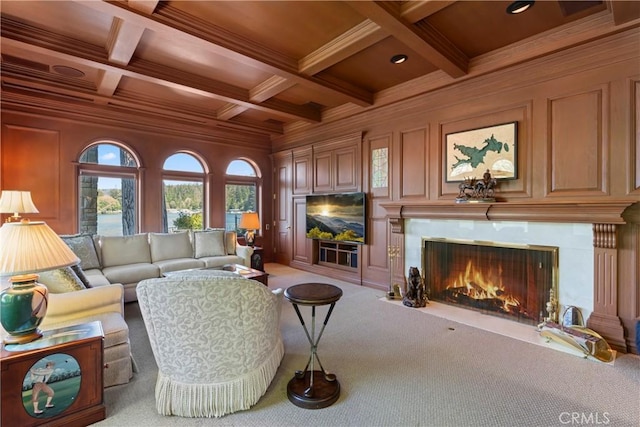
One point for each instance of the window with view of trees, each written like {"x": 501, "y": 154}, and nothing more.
{"x": 183, "y": 193}
{"x": 108, "y": 176}
{"x": 241, "y": 191}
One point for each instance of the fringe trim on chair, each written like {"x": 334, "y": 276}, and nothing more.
{"x": 216, "y": 400}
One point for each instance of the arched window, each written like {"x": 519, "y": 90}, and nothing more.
{"x": 183, "y": 190}
{"x": 242, "y": 192}
{"x": 108, "y": 186}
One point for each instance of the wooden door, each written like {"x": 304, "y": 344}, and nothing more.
{"x": 282, "y": 206}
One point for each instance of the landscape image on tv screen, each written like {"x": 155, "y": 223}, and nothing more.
{"x": 339, "y": 217}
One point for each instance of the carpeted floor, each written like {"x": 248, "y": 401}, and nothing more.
{"x": 398, "y": 366}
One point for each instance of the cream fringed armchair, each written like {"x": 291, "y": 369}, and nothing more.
{"x": 216, "y": 341}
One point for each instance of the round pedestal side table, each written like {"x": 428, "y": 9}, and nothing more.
{"x": 310, "y": 388}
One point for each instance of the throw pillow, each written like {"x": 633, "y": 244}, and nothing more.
{"x": 78, "y": 270}
{"x": 83, "y": 246}
{"x": 209, "y": 243}
{"x": 125, "y": 250}
{"x": 61, "y": 280}
{"x": 170, "y": 246}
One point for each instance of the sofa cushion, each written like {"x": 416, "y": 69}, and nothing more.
{"x": 84, "y": 247}
{"x": 131, "y": 273}
{"x": 170, "y": 246}
{"x": 209, "y": 243}
{"x": 61, "y": 280}
{"x": 124, "y": 250}
{"x": 96, "y": 278}
{"x": 179, "y": 264}
{"x": 231, "y": 241}
{"x": 219, "y": 261}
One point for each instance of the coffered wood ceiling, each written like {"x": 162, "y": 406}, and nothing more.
{"x": 263, "y": 67}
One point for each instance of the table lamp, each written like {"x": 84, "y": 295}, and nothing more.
{"x": 16, "y": 202}
{"x": 250, "y": 222}
{"x": 26, "y": 248}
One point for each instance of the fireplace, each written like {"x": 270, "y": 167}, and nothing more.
{"x": 506, "y": 280}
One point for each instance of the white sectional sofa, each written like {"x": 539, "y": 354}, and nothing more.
{"x": 127, "y": 260}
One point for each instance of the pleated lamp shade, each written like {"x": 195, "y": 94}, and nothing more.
{"x": 31, "y": 247}
{"x": 17, "y": 202}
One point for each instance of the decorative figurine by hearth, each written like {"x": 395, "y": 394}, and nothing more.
{"x": 415, "y": 295}
{"x": 475, "y": 190}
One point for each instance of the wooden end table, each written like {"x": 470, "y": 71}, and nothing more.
{"x": 56, "y": 380}
{"x": 313, "y": 389}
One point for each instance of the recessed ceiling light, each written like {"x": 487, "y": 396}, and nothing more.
{"x": 519, "y": 6}
{"x": 398, "y": 59}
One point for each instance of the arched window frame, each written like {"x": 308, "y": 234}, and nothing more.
{"x": 188, "y": 176}
{"x": 230, "y": 179}
{"x": 110, "y": 171}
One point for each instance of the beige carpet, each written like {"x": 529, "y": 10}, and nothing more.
{"x": 402, "y": 367}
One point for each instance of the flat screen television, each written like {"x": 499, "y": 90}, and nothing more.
{"x": 338, "y": 217}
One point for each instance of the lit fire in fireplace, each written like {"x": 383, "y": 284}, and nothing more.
{"x": 485, "y": 291}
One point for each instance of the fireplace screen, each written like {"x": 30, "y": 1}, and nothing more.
{"x": 503, "y": 280}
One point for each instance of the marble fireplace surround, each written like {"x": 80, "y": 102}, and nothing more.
{"x": 584, "y": 231}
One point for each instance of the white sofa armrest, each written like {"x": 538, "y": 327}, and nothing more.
{"x": 279, "y": 293}
{"x": 245, "y": 253}
{"x": 81, "y": 304}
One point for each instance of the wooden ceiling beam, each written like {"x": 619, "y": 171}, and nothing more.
{"x": 40, "y": 89}
{"x": 260, "y": 93}
{"x": 416, "y": 10}
{"x": 358, "y": 38}
{"x": 107, "y": 83}
{"x": 23, "y": 36}
{"x": 170, "y": 20}
{"x": 123, "y": 40}
{"x": 144, "y": 6}
{"x": 624, "y": 11}
{"x": 421, "y": 38}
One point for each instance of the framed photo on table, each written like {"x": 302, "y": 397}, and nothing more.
{"x": 470, "y": 153}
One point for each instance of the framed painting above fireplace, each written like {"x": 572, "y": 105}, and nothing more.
{"x": 470, "y": 153}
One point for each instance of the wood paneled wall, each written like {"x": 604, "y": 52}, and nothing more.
{"x": 578, "y": 115}
{"x": 39, "y": 154}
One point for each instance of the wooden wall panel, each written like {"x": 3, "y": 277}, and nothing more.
{"x": 23, "y": 145}
{"x": 374, "y": 258}
{"x": 578, "y": 145}
{"x": 414, "y": 164}
{"x": 378, "y": 258}
{"x": 347, "y": 162}
{"x": 302, "y": 171}
{"x": 301, "y": 248}
{"x": 322, "y": 172}
{"x": 635, "y": 149}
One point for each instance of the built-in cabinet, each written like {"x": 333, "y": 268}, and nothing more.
{"x": 332, "y": 166}
{"x": 338, "y": 255}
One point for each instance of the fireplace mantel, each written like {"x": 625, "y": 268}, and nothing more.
{"x": 607, "y": 216}
{"x": 616, "y": 211}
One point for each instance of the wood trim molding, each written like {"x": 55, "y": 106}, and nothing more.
{"x": 583, "y": 211}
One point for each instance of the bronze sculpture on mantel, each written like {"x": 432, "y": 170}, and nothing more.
{"x": 474, "y": 190}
